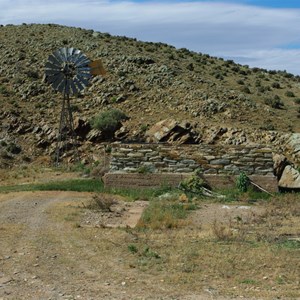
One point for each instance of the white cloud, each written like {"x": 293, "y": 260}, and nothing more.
{"x": 253, "y": 35}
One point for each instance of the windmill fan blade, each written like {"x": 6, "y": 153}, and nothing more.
{"x": 64, "y": 53}
{"x": 73, "y": 87}
{"x": 52, "y": 59}
{"x": 78, "y": 84}
{"x": 50, "y": 66}
{"x": 83, "y": 80}
{"x": 82, "y": 61}
{"x": 59, "y": 79}
{"x": 58, "y": 56}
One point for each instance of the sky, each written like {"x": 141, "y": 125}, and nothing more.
{"x": 263, "y": 34}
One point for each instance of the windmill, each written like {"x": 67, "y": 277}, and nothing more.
{"x": 69, "y": 71}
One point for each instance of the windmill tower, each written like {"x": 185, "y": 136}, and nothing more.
{"x": 69, "y": 71}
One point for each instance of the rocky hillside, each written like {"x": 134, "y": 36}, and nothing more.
{"x": 199, "y": 98}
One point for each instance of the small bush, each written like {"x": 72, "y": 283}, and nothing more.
{"x": 132, "y": 248}
{"x": 242, "y": 182}
{"x": 274, "y": 102}
{"x": 276, "y": 85}
{"x": 289, "y": 94}
{"x": 102, "y": 202}
{"x": 194, "y": 185}
{"x": 297, "y": 100}
{"x": 109, "y": 121}
{"x": 245, "y": 90}
{"x": 267, "y": 126}
{"x": 4, "y": 91}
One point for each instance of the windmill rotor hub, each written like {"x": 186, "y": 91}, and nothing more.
{"x": 69, "y": 70}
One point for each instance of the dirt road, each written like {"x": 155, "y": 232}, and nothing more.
{"x": 45, "y": 254}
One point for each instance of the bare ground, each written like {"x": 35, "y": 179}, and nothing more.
{"x": 54, "y": 248}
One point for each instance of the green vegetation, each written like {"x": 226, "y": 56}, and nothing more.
{"x": 297, "y": 100}
{"x": 164, "y": 214}
{"x": 87, "y": 185}
{"x": 4, "y": 91}
{"x": 274, "y": 102}
{"x": 77, "y": 185}
{"x": 289, "y": 94}
{"x": 242, "y": 182}
{"x": 109, "y": 121}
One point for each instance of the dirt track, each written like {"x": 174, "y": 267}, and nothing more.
{"x": 43, "y": 255}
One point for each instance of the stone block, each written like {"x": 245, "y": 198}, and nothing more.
{"x": 155, "y": 158}
{"x": 125, "y": 150}
{"x": 221, "y": 161}
{"x": 135, "y": 155}
{"x": 184, "y": 170}
{"x": 188, "y": 161}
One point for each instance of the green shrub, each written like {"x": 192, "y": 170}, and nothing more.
{"x": 274, "y": 102}
{"x": 267, "y": 126}
{"x": 297, "y": 100}
{"x": 289, "y": 94}
{"x": 193, "y": 184}
{"x": 276, "y": 85}
{"x": 242, "y": 182}
{"x": 109, "y": 121}
{"x": 245, "y": 90}
{"x": 4, "y": 91}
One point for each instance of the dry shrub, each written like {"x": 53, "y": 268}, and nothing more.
{"x": 221, "y": 231}
{"x": 99, "y": 171}
{"x": 102, "y": 202}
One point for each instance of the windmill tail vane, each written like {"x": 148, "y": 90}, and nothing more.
{"x": 69, "y": 71}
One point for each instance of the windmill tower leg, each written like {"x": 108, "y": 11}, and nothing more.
{"x": 66, "y": 134}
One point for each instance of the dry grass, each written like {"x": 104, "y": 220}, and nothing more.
{"x": 250, "y": 256}
{"x": 257, "y": 255}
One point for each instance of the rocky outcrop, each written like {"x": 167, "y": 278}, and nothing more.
{"x": 290, "y": 178}
{"x": 172, "y": 132}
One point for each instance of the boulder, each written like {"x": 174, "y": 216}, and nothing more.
{"x": 290, "y": 178}
{"x": 293, "y": 145}
{"x": 81, "y": 127}
{"x": 94, "y": 136}
{"x": 171, "y": 131}
{"x": 280, "y": 162}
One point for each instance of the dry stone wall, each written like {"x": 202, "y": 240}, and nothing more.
{"x": 160, "y": 158}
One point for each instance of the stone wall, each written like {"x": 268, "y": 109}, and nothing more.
{"x": 160, "y": 158}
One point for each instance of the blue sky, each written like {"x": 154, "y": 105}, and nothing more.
{"x": 257, "y": 33}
